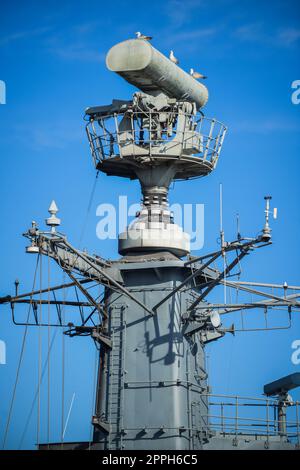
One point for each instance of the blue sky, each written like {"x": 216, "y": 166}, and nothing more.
{"x": 52, "y": 58}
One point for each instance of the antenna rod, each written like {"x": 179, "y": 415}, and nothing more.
{"x": 266, "y": 230}
{"x": 221, "y": 216}
{"x": 222, "y": 240}
{"x": 267, "y": 210}
{"x": 238, "y": 226}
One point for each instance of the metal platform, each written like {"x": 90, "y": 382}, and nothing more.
{"x": 233, "y": 423}
{"x": 123, "y": 142}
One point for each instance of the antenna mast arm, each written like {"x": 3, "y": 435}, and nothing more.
{"x": 71, "y": 260}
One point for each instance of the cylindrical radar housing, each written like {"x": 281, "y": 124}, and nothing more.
{"x": 138, "y": 62}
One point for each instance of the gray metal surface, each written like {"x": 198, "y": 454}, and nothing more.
{"x": 151, "y": 380}
{"x": 247, "y": 442}
{"x": 149, "y": 70}
{"x": 122, "y": 143}
{"x": 156, "y": 315}
{"x": 283, "y": 385}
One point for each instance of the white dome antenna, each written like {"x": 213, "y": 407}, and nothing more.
{"x": 215, "y": 319}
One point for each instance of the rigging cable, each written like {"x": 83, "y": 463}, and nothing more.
{"x": 48, "y": 357}
{"x": 47, "y": 362}
{"x": 83, "y": 228}
{"x": 20, "y": 361}
{"x": 36, "y": 393}
{"x": 63, "y": 371}
{"x": 94, "y": 393}
{"x": 64, "y": 295}
{"x": 68, "y": 415}
{"x": 39, "y": 360}
{"x": 222, "y": 241}
{"x": 88, "y": 209}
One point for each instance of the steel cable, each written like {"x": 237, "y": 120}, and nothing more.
{"x": 36, "y": 393}
{"x": 39, "y": 360}
{"x": 20, "y": 362}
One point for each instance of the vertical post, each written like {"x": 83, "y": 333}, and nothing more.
{"x": 101, "y": 392}
{"x": 236, "y": 415}
{"x": 150, "y": 133}
{"x": 268, "y": 422}
{"x": 297, "y": 423}
{"x": 215, "y": 161}
{"x": 222, "y": 417}
{"x": 189, "y": 405}
{"x": 133, "y": 133}
{"x": 118, "y": 135}
{"x": 213, "y": 121}
{"x": 281, "y": 416}
{"x": 99, "y": 145}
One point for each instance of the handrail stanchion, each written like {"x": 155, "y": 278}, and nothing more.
{"x": 222, "y": 417}
{"x": 298, "y": 424}
{"x": 236, "y": 415}
{"x": 268, "y": 421}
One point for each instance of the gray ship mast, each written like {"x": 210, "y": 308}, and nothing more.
{"x": 155, "y": 316}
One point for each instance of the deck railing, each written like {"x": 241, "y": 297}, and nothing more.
{"x": 155, "y": 134}
{"x": 236, "y": 415}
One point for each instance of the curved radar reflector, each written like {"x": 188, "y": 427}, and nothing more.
{"x": 215, "y": 319}
{"x": 146, "y": 68}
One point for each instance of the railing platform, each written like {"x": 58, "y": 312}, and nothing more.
{"x": 121, "y": 142}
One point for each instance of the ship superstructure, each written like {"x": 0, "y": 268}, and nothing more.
{"x": 156, "y": 315}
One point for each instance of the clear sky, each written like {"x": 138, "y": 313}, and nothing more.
{"x": 52, "y": 59}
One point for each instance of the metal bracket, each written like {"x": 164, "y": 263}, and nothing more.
{"x": 103, "y": 425}
{"x": 102, "y": 339}
{"x": 211, "y": 335}
{"x": 191, "y": 328}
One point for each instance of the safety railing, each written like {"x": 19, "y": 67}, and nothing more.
{"x": 156, "y": 135}
{"x": 235, "y": 415}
